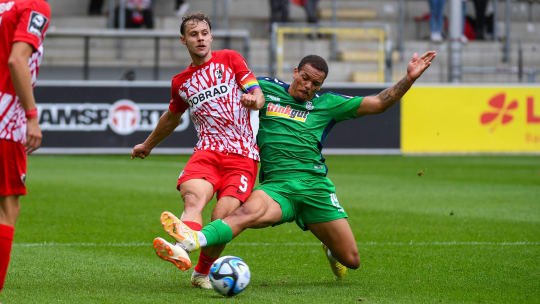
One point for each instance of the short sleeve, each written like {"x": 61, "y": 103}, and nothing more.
{"x": 33, "y": 24}
{"x": 177, "y": 103}
{"x": 245, "y": 78}
{"x": 342, "y": 107}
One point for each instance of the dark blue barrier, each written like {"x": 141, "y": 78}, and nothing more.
{"x": 111, "y": 117}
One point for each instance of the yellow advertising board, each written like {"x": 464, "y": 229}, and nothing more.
{"x": 470, "y": 119}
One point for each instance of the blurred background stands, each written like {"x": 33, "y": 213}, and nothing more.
{"x": 512, "y": 60}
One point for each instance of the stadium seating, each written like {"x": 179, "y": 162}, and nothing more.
{"x": 353, "y": 58}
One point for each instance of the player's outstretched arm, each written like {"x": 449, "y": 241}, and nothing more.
{"x": 385, "y": 99}
{"x": 253, "y": 100}
{"x": 22, "y": 82}
{"x": 166, "y": 125}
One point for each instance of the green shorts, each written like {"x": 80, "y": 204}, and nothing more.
{"x": 304, "y": 198}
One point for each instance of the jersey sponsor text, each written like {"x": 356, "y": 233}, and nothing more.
{"x": 287, "y": 112}
{"x": 209, "y": 94}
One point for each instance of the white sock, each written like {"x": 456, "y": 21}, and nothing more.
{"x": 202, "y": 239}
{"x": 329, "y": 253}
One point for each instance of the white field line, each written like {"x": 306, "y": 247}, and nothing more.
{"x": 383, "y": 244}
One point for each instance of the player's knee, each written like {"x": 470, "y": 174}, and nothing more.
{"x": 355, "y": 264}
{"x": 193, "y": 201}
{"x": 353, "y": 259}
{"x": 220, "y": 213}
{"x": 9, "y": 210}
{"x": 225, "y": 207}
{"x": 349, "y": 258}
{"x": 216, "y": 214}
{"x": 249, "y": 214}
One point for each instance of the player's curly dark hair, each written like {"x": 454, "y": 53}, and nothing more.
{"x": 200, "y": 16}
{"x": 315, "y": 61}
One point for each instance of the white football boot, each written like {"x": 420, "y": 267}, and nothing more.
{"x": 200, "y": 280}
{"x": 184, "y": 235}
{"x": 172, "y": 253}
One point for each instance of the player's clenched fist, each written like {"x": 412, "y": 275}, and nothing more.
{"x": 253, "y": 100}
{"x": 249, "y": 101}
{"x": 140, "y": 151}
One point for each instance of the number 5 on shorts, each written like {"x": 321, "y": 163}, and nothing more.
{"x": 244, "y": 182}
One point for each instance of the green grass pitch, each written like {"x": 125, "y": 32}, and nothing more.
{"x": 462, "y": 229}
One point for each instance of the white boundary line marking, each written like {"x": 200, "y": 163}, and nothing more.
{"x": 396, "y": 244}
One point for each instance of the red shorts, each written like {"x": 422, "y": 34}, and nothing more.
{"x": 12, "y": 168}
{"x": 230, "y": 174}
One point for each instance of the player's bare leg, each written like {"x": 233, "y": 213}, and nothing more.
{"x": 9, "y": 209}
{"x": 338, "y": 237}
{"x": 225, "y": 206}
{"x": 259, "y": 211}
{"x": 196, "y": 194}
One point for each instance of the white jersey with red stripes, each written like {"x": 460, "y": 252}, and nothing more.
{"x": 25, "y": 21}
{"x": 212, "y": 92}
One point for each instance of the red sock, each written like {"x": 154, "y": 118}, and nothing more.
{"x": 193, "y": 225}
{"x": 204, "y": 263}
{"x": 6, "y": 238}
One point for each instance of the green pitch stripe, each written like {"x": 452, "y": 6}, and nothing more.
{"x": 383, "y": 244}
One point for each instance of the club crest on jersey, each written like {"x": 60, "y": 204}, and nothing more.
{"x": 287, "y": 112}
{"x": 274, "y": 98}
{"x": 218, "y": 73}
{"x": 211, "y": 93}
{"x": 37, "y": 23}
{"x": 309, "y": 106}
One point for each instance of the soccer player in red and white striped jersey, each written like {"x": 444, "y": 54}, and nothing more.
{"x": 219, "y": 90}
{"x": 23, "y": 24}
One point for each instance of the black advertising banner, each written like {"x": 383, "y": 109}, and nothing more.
{"x": 112, "y": 117}
{"x": 106, "y": 114}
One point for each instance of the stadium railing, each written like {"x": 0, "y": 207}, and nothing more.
{"x": 221, "y": 18}
{"x": 155, "y": 35}
{"x": 520, "y": 70}
{"x": 376, "y": 32}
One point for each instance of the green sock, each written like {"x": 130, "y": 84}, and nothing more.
{"x": 217, "y": 232}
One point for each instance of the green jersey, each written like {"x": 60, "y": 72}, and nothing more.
{"x": 292, "y": 134}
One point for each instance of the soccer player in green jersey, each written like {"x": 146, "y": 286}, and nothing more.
{"x": 294, "y": 123}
